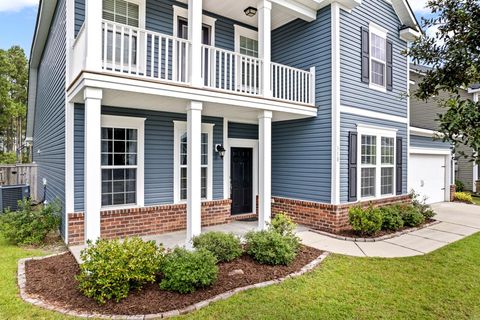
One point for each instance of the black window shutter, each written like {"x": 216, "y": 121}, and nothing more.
{"x": 365, "y": 55}
{"x": 399, "y": 166}
{"x": 352, "y": 166}
{"x": 389, "y": 65}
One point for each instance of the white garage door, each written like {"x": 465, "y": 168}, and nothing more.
{"x": 427, "y": 176}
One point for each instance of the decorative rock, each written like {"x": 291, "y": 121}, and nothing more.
{"x": 236, "y": 272}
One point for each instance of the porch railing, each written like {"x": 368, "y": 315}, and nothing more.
{"x": 138, "y": 52}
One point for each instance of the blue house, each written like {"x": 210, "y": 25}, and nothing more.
{"x": 149, "y": 116}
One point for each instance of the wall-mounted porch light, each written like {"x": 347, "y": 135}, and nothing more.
{"x": 250, "y": 11}
{"x": 221, "y": 150}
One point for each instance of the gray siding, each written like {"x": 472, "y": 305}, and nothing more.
{"x": 301, "y": 149}
{"x": 427, "y": 142}
{"x": 158, "y": 153}
{"x": 242, "y": 130}
{"x": 464, "y": 169}
{"x": 49, "y": 125}
{"x": 354, "y": 93}
{"x": 79, "y": 15}
{"x": 349, "y": 123}
{"x": 425, "y": 114}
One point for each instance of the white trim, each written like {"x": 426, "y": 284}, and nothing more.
{"x": 243, "y": 143}
{"x": 379, "y": 133}
{"x": 265, "y": 169}
{"x": 183, "y": 13}
{"x": 297, "y": 9}
{"x": 245, "y": 32}
{"x": 408, "y": 119}
{"x": 409, "y": 34}
{"x": 416, "y": 150}
{"x": 425, "y": 132}
{"x": 180, "y": 127}
{"x": 335, "y": 148}
{"x": 226, "y": 167}
{"x": 380, "y": 32}
{"x": 373, "y": 114}
{"x": 138, "y": 124}
{"x": 475, "y": 178}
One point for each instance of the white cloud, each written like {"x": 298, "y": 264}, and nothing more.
{"x": 418, "y": 6}
{"x": 16, "y": 5}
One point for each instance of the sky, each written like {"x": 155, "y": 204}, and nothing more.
{"x": 17, "y": 21}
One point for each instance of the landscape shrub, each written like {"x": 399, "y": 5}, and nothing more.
{"x": 185, "y": 271}
{"x": 463, "y": 197}
{"x": 224, "y": 246}
{"x": 271, "y": 247}
{"x": 112, "y": 268}
{"x": 459, "y": 186}
{"x": 420, "y": 204}
{"x": 29, "y": 225}
{"x": 392, "y": 218}
{"x": 8, "y": 158}
{"x": 411, "y": 216}
{"x": 365, "y": 221}
{"x": 283, "y": 224}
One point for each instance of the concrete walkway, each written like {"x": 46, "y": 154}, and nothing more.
{"x": 457, "y": 222}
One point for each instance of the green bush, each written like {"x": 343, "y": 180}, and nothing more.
{"x": 271, "y": 247}
{"x": 411, "y": 216}
{"x": 185, "y": 271}
{"x": 422, "y": 207}
{"x": 365, "y": 221}
{"x": 112, "y": 268}
{"x": 282, "y": 224}
{"x": 392, "y": 218}
{"x": 459, "y": 186}
{"x": 463, "y": 197}
{"x": 224, "y": 246}
{"x": 8, "y": 158}
{"x": 30, "y": 225}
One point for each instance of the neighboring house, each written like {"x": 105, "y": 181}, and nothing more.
{"x": 423, "y": 115}
{"x": 133, "y": 102}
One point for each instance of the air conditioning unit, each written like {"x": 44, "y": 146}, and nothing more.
{"x": 10, "y": 195}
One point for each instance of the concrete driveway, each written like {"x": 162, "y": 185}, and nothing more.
{"x": 457, "y": 222}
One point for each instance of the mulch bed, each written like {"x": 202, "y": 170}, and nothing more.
{"x": 53, "y": 279}
{"x": 353, "y": 234}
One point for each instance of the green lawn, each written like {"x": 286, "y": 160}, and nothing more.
{"x": 442, "y": 285}
{"x": 476, "y": 200}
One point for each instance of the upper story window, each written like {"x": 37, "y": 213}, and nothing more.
{"x": 248, "y": 46}
{"x": 122, "y": 11}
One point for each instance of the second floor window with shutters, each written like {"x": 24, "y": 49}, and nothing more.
{"x": 378, "y": 59}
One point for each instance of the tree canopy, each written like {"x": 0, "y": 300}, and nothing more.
{"x": 453, "y": 52}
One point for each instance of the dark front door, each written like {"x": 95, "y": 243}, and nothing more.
{"x": 241, "y": 180}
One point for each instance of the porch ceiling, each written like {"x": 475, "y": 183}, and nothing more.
{"x": 281, "y": 12}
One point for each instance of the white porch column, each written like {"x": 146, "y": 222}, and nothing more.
{"x": 265, "y": 169}
{"x": 194, "y": 173}
{"x": 93, "y": 29}
{"x": 264, "y": 43}
{"x": 92, "y": 171}
{"x": 195, "y": 37}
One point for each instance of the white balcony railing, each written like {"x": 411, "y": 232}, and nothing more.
{"x": 141, "y": 53}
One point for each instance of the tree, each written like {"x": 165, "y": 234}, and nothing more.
{"x": 13, "y": 98}
{"x": 454, "y": 55}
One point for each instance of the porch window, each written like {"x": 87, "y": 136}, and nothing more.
{"x": 378, "y": 56}
{"x": 122, "y": 161}
{"x": 180, "y": 170}
{"x": 377, "y": 162}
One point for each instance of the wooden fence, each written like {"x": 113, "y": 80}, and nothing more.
{"x": 20, "y": 174}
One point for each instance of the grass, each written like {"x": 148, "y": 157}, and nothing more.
{"x": 476, "y": 200}
{"x": 441, "y": 285}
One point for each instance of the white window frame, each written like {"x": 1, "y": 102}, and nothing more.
{"x": 141, "y": 36}
{"x": 245, "y": 32}
{"x": 378, "y": 132}
{"x": 180, "y": 127}
{"x": 130, "y": 123}
{"x": 380, "y": 32}
{"x": 183, "y": 13}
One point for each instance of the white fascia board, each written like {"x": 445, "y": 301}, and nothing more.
{"x": 405, "y": 14}
{"x": 344, "y": 4}
{"x": 409, "y": 34}
{"x": 424, "y": 132}
{"x": 414, "y": 150}
{"x": 297, "y": 9}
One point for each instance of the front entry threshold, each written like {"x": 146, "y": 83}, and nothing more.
{"x": 244, "y": 217}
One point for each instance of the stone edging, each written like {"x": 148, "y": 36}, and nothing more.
{"x": 385, "y": 237}
{"x": 35, "y": 300}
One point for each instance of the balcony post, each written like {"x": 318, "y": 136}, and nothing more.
{"x": 195, "y": 37}
{"x": 264, "y": 44}
{"x": 265, "y": 169}
{"x": 93, "y": 33}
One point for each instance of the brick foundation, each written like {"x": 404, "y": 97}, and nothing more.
{"x": 453, "y": 189}
{"x": 325, "y": 217}
{"x": 147, "y": 220}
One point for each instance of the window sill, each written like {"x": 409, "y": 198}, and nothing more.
{"x": 377, "y": 87}
{"x": 385, "y": 196}
{"x": 120, "y": 207}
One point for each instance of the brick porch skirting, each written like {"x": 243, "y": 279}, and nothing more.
{"x": 148, "y": 220}
{"x": 323, "y": 216}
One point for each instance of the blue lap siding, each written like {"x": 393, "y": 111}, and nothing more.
{"x": 49, "y": 123}
{"x": 301, "y": 149}
{"x": 159, "y": 131}
{"x": 242, "y": 130}
{"x": 427, "y": 142}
